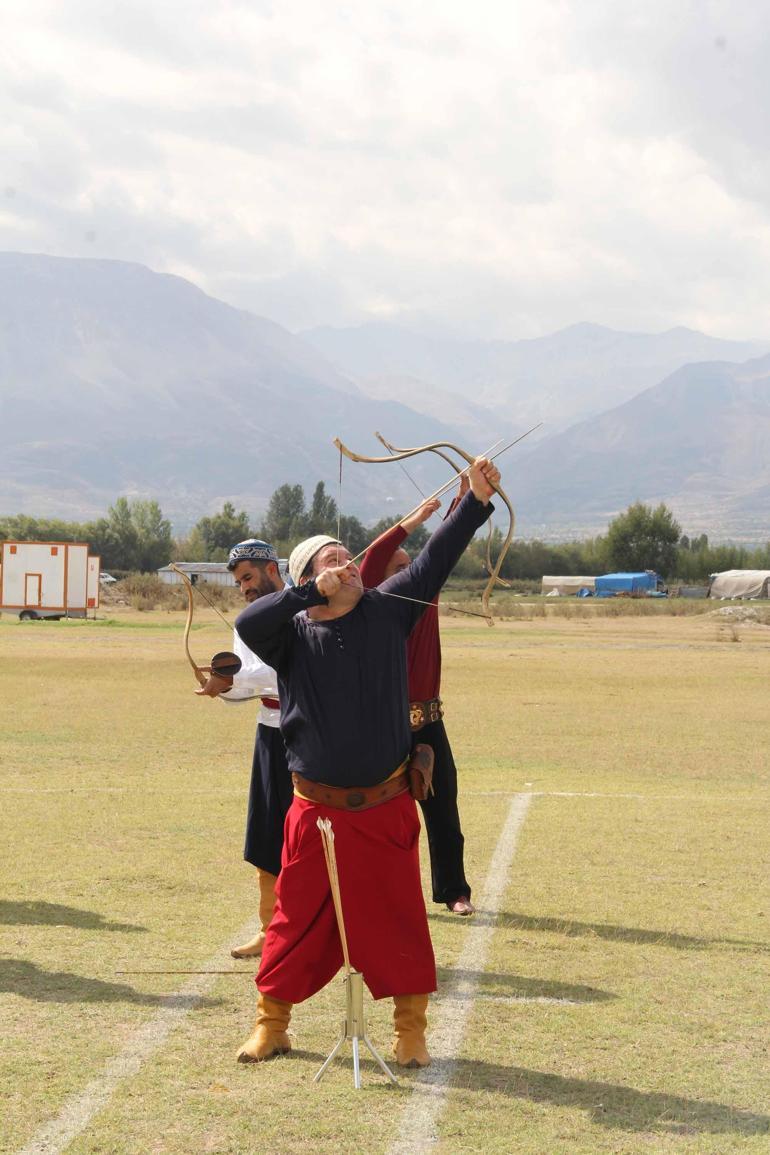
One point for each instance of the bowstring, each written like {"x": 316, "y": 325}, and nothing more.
{"x": 339, "y": 510}
{"x": 409, "y": 477}
{"x": 207, "y": 600}
{"x": 214, "y": 608}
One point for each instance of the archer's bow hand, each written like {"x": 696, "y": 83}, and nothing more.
{"x": 483, "y": 476}
{"x": 421, "y": 514}
{"x": 214, "y": 685}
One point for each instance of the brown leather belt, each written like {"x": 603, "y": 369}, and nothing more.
{"x": 421, "y": 713}
{"x": 351, "y": 797}
{"x": 271, "y": 703}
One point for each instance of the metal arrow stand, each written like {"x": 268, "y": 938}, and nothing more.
{"x": 354, "y": 1024}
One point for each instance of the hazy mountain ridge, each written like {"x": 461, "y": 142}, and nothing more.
{"x": 115, "y": 379}
{"x": 700, "y": 441}
{"x": 558, "y": 379}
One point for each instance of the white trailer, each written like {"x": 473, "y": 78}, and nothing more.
{"x": 48, "y": 579}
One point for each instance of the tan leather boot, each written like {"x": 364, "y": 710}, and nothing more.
{"x": 410, "y": 1020}
{"x": 269, "y": 1036}
{"x": 253, "y": 947}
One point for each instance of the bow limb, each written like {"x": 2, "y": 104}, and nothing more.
{"x": 199, "y": 675}
{"x": 492, "y": 570}
{"x": 439, "y": 451}
{"x": 401, "y": 455}
{"x": 453, "y": 465}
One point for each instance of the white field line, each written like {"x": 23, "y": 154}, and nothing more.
{"x": 531, "y": 999}
{"x": 572, "y": 794}
{"x": 78, "y": 1111}
{"x": 446, "y": 1031}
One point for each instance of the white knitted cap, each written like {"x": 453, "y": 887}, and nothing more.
{"x": 303, "y": 554}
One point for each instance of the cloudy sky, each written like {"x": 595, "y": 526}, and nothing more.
{"x": 497, "y": 168}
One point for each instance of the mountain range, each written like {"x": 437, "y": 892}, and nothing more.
{"x": 698, "y": 441}
{"x": 565, "y": 377}
{"x": 118, "y": 380}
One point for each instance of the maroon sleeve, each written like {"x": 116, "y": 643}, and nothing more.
{"x": 379, "y": 553}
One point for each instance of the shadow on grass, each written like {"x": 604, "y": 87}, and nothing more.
{"x": 607, "y": 1104}
{"x": 30, "y": 982}
{"x": 572, "y": 929}
{"x": 515, "y": 986}
{"x": 52, "y": 914}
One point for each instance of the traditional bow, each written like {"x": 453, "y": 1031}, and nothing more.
{"x": 393, "y": 449}
{"x": 199, "y": 674}
{"x": 437, "y": 447}
{"x": 224, "y": 662}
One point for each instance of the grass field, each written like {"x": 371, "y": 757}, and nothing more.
{"x": 612, "y": 999}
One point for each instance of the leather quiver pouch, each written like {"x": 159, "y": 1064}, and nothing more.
{"x": 420, "y": 770}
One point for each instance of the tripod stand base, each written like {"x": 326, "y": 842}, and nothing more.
{"x": 354, "y": 1028}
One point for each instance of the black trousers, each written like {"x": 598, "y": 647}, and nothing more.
{"x": 270, "y": 794}
{"x": 442, "y": 819}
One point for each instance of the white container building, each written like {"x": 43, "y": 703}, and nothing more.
{"x": 48, "y": 579}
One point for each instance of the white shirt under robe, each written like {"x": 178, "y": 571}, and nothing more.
{"x": 255, "y": 679}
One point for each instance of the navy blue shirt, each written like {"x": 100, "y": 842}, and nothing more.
{"x": 343, "y": 683}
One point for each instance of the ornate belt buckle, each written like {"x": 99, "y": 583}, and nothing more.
{"x": 416, "y": 715}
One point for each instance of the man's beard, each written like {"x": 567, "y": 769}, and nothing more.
{"x": 254, "y": 592}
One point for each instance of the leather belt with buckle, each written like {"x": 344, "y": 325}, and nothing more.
{"x": 353, "y": 797}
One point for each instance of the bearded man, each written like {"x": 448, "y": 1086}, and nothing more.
{"x": 254, "y": 565}
{"x": 340, "y": 655}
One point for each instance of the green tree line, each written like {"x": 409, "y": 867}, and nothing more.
{"x": 134, "y": 535}
{"x": 643, "y": 537}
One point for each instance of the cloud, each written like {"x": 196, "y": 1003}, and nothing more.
{"x": 496, "y": 169}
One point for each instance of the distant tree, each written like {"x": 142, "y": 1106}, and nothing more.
{"x": 416, "y": 539}
{"x": 21, "y": 527}
{"x": 190, "y": 548}
{"x": 217, "y": 534}
{"x": 114, "y": 538}
{"x": 285, "y": 518}
{"x": 134, "y": 536}
{"x": 644, "y": 538}
{"x": 322, "y": 515}
{"x": 593, "y": 554}
{"x": 153, "y": 534}
{"x": 287, "y": 521}
{"x": 353, "y": 534}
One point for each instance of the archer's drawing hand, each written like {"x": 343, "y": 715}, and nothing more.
{"x": 330, "y": 581}
{"x": 483, "y": 476}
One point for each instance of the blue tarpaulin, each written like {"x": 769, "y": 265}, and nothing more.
{"x": 610, "y": 584}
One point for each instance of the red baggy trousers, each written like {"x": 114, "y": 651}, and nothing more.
{"x": 382, "y": 903}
